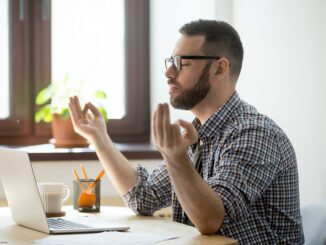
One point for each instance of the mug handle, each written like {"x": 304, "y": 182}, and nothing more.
{"x": 67, "y": 189}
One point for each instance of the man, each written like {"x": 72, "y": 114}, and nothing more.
{"x": 232, "y": 171}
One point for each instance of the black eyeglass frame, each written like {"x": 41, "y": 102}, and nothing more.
{"x": 176, "y": 61}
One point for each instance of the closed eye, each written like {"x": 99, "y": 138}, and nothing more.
{"x": 185, "y": 64}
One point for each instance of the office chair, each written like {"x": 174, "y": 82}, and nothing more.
{"x": 314, "y": 223}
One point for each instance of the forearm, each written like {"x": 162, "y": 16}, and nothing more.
{"x": 203, "y": 206}
{"x": 201, "y": 203}
{"x": 93, "y": 128}
{"x": 117, "y": 167}
{"x": 152, "y": 192}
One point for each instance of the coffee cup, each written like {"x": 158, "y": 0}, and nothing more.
{"x": 53, "y": 195}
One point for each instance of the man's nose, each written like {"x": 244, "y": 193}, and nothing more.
{"x": 171, "y": 72}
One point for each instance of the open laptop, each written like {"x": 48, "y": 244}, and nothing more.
{"x": 25, "y": 203}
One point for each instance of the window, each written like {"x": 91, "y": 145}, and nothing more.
{"x": 104, "y": 43}
{"x": 88, "y": 46}
{"x": 4, "y": 58}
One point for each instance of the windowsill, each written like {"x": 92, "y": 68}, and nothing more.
{"x": 47, "y": 152}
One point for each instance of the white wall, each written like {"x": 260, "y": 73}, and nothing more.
{"x": 284, "y": 77}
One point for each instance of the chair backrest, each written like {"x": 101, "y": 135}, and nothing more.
{"x": 314, "y": 223}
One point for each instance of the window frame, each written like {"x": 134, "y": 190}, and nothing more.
{"x": 30, "y": 64}
{"x": 18, "y": 122}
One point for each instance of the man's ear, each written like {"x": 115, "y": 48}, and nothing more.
{"x": 218, "y": 70}
{"x": 221, "y": 67}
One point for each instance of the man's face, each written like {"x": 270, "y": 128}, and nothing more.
{"x": 190, "y": 85}
{"x": 188, "y": 98}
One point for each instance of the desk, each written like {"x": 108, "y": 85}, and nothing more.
{"x": 15, "y": 234}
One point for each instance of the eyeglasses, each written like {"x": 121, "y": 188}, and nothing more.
{"x": 176, "y": 61}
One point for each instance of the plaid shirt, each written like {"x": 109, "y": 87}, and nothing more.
{"x": 250, "y": 163}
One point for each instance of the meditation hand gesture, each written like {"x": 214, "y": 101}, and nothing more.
{"x": 168, "y": 138}
{"x": 89, "y": 125}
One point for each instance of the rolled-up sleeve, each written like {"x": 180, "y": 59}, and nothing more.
{"x": 151, "y": 192}
{"x": 246, "y": 167}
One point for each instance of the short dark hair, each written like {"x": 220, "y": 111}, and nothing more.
{"x": 221, "y": 39}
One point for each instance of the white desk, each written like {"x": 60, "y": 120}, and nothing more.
{"x": 15, "y": 234}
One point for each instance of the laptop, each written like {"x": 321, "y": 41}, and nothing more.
{"x": 19, "y": 183}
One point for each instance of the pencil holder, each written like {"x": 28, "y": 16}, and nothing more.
{"x": 89, "y": 201}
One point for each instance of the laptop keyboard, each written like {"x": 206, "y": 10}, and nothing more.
{"x": 63, "y": 224}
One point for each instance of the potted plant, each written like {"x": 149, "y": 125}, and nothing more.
{"x": 53, "y": 101}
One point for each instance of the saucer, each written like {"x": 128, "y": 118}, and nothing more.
{"x": 52, "y": 215}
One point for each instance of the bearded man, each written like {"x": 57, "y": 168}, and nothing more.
{"x": 232, "y": 171}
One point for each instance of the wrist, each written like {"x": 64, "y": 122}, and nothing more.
{"x": 101, "y": 142}
{"x": 177, "y": 161}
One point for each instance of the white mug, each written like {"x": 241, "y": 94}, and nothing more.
{"x": 53, "y": 195}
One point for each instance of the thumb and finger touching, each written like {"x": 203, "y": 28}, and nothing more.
{"x": 189, "y": 133}
{"x": 93, "y": 109}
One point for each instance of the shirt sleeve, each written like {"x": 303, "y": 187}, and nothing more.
{"x": 247, "y": 165}
{"x": 151, "y": 192}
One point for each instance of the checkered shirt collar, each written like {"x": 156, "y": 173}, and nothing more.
{"x": 217, "y": 121}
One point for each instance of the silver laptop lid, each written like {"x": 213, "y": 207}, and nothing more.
{"x": 24, "y": 200}
{"x": 21, "y": 190}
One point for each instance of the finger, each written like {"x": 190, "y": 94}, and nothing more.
{"x": 176, "y": 134}
{"x": 88, "y": 116}
{"x": 72, "y": 116}
{"x": 72, "y": 110}
{"x": 190, "y": 131}
{"x": 77, "y": 106}
{"x": 166, "y": 125}
{"x": 158, "y": 124}
{"x": 154, "y": 133}
{"x": 86, "y": 108}
{"x": 93, "y": 109}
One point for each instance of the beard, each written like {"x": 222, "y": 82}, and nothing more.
{"x": 193, "y": 96}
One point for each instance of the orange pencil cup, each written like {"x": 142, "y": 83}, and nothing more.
{"x": 88, "y": 200}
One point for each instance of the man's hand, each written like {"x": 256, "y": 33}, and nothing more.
{"x": 90, "y": 126}
{"x": 168, "y": 138}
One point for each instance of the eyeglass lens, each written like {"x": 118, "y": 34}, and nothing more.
{"x": 175, "y": 62}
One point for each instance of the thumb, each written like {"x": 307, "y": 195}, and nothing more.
{"x": 190, "y": 132}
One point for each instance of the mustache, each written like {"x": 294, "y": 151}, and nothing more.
{"x": 173, "y": 82}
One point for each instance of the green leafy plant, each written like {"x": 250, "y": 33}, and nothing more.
{"x": 54, "y": 99}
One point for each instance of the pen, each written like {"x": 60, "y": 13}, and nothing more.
{"x": 78, "y": 180}
{"x": 85, "y": 176}
{"x": 98, "y": 177}
{"x": 84, "y": 171}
